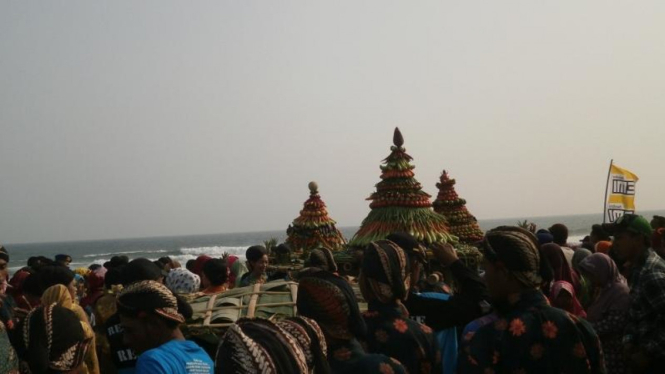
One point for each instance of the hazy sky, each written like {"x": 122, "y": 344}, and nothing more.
{"x": 145, "y": 118}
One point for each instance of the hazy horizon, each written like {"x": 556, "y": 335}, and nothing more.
{"x": 147, "y": 119}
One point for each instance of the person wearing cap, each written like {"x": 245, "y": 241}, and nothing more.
{"x": 150, "y": 320}
{"x": 4, "y": 274}
{"x": 529, "y": 336}
{"x": 644, "y": 337}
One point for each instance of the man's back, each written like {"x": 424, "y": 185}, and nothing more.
{"x": 176, "y": 356}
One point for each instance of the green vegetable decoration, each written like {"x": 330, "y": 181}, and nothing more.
{"x": 400, "y": 204}
{"x": 313, "y": 228}
{"x": 462, "y": 223}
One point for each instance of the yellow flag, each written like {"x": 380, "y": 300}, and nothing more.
{"x": 620, "y": 193}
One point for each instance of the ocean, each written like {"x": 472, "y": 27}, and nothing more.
{"x": 183, "y": 248}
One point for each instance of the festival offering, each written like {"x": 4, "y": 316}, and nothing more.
{"x": 400, "y": 204}
{"x": 462, "y": 223}
{"x": 314, "y": 228}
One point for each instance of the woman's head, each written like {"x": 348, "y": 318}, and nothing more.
{"x": 385, "y": 276}
{"x": 52, "y": 275}
{"x": 600, "y": 269}
{"x": 563, "y": 295}
{"x": 512, "y": 261}
{"x": 214, "y": 273}
{"x": 257, "y": 259}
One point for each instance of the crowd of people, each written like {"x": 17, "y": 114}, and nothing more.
{"x": 536, "y": 304}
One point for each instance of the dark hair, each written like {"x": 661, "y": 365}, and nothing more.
{"x": 255, "y": 252}
{"x": 32, "y": 286}
{"x": 113, "y": 277}
{"x": 140, "y": 269}
{"x": 166, "y": 260}
{"x": 94, "y": 267}
{"x": 32, "y": 261}
{"x": 560, "y": 233}
{"x": 215, "y": 271}
{"x": 159, "y": 264}
{"x": 52, "y": 275}
{"x": 190, "y": 265}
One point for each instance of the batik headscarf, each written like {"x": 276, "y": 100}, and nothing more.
{"x": 259, "y": 346}
{"x": 322, "y": 258}
{"x": 60, "y": 295}
{"x": 311, "y": 339}
{"x": 331, "y": 302}
{"x": 517, "y": 250}
{"x": 558, "y": 287}
{"x": 614, "y": 294}
{"x": 146, "y": 297}
{"x": 557, "y": 260}
{"x": 384, "y": 276}
{"x": 183, "y": 281}
{"x": 52, "y": 338}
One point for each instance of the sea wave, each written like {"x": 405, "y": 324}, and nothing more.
{"x": 125, "y": 253}
{"x": 214, "y": 251}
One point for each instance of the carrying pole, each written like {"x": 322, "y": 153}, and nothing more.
{"x": 607, "y": 185}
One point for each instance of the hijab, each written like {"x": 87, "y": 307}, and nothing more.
{"x": 60, "y": 295}
{"x": 614, "y": 293}
{"x": 384, "y": 276}
{"x": 580, "y": 254}
{"x": 557, "y": 260}
{"x": 560, "y": 286}
{"x": 183, "y": 281}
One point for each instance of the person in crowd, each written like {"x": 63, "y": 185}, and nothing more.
{"x": 117, "y": 262}
{"x": 384, "y": 283}
{"x": 60, "y": 295}
{"x": 229, "y": 266}
{"x": 214, "y": 277}
{"x": 257, "y": 263}
{"x": 95, "y": 287}
{"x": 63, "y": 260}
{"x": 467, "y": 304}
{"x": 51, "y": 275}
{"x": 103, "y": 309}
{"x": 556, "y": 259}
{"x": 598, "y": 234}
{"x": 197, "y": 268}
{"x": 330, "y": 301}
{"x": 189, "y": 265}
{"x": 560, "y": 237}
{"x": 168, "y": 263}
{"x": 183, "y": 281}
{"x": 544, "y": 236}
{"x": 52, "y": 339}
{"x": 259, "y": 346}
{"x": 237, "y": 270}
{"x": 150, "y": 319}
{"x": 529, "y": 336}
{"x": 8, "y": 357}
{"x": 657, "y": 222}
{"x": 603, "y": 246}
{"x": 586, "y": 288}
{"x": 321, "y": 258}
{"x": 563, "y": 296}
{"x": 310, "y": 337}
{"x": 644, "y": 337}
{"x": 608, "y": 311}
{"x": 24, "y": 300}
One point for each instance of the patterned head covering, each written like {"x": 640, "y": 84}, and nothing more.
{"x": 311, "y": 339}
{"x": 322, "y": 258}
{"x": 53, "y": 338}
{"x": 384, "y": 276}
{"x": 331, "y": 302}
{"x": 182, "y": 281}
{"x": 259, "y": 346}
{"x": 149, "y": 297}
{"x": 517, "y": 249}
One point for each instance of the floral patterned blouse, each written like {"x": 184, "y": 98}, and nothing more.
{"x": 411, "y": 343}
{"x": 349, "y": 358}
{"x": 530, "y": 336}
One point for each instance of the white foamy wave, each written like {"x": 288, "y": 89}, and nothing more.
{"x": 125, "y": 253}
{"x": 216, "y": 251}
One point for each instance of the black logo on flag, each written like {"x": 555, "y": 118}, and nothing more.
{"x": 622, "y": 187}
{"x": 614, "y": 214}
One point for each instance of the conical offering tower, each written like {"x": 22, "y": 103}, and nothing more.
{"x": 400, "y": 204}
{"x": 462, "y": 223}
{"x": 314, "y": 228}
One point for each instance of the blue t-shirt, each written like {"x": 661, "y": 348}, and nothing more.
{"x": 177, "y": 357}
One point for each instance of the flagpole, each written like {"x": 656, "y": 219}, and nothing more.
{"x": 607, "y": 184}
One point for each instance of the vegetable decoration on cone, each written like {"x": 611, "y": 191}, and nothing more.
{"x": 313, "y": 228}
{"x": 400, "y": 204}
{"x": 462, "y": 223}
